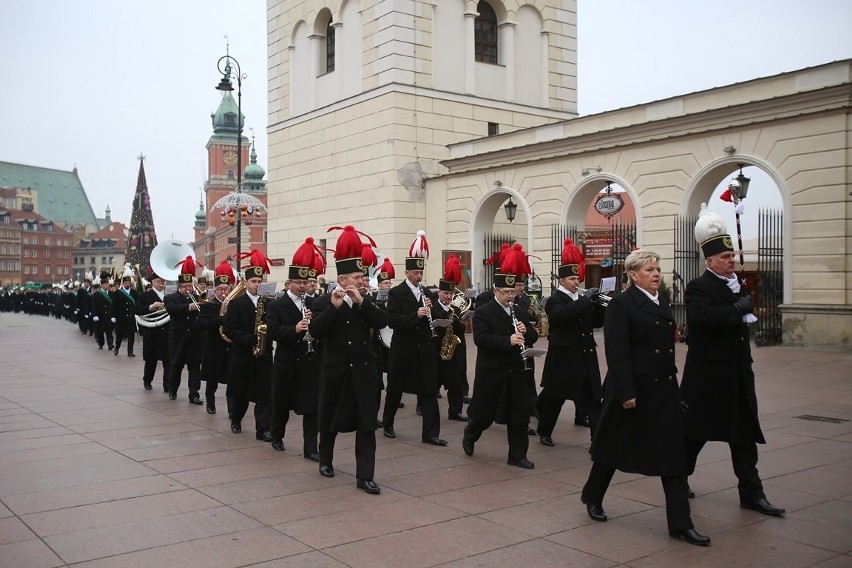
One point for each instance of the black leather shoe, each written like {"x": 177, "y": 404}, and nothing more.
{"x": 691, "y": 536}
{"x": 263, "y": 436}
{"x": 457, "y": 417}
{"x": 546, "y": 440}
{"x": 115, "y": 351}
{"x": 388, "y": 432}
{"x": 148, "y": 386}
{"x": 523, "y": 462}
{"x": 278, "y": 445}
{"x": 326, "y": 471}
{"x": 689, "y": 492}
{"x": 379, "y": 424}
{"x": 418, "y": 411}
{"x": 596, "y": 512}
{"x": 401, "y": 405}
{"x": 195, "y": 399}
{"x": 211, "y": 409}
{"x": 172, "y": 396}
{"x": 467, "y": 442}
{"x": 582, "y": 421}
{"x": 435, "y": 441}
{"x": 531, "y": 432}
{"x": 236, "y": 427}
{"x": 368, "y": 486}
{"x": 313, "y": 456}
{"x": 100, "y": 346}
{"x": 763, "y": 506}
{"x": 465, "y": 399}
{"x": 131, "y": 355}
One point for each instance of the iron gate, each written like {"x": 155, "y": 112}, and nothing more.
{"x": 622, "y": 237}
{"x": 686, "y": 262}
{"x": 770, "y": 276}
{"x": 558, "y": 234}
{"x": 491, "y": 244}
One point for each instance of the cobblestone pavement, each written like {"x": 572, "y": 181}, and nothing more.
{"x": 96, "y": 471}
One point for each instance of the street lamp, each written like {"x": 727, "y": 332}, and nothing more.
{"x": 225, "y": 86}
{"x": 739, "y": 185}
{"x": 511, "y": 208}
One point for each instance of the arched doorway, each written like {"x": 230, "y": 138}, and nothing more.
{"x": 490, "y": 220}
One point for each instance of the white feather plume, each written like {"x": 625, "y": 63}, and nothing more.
{"x": 709, "y": 225}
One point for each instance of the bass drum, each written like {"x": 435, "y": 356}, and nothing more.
{"x": 385, "y": 336}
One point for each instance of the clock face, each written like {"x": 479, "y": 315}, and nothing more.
{"x": 230, "y": 158}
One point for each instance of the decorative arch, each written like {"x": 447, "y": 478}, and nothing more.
{"x": 707, "y": 179}
{"x": 482, "y": 216}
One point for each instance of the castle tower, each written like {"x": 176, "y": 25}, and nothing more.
{"x": 364, "y": 99}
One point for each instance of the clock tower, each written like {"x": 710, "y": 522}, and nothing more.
{"x": 212, "y": 230}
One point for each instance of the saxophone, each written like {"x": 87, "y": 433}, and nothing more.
{"x": 260, "y": 327}
{"x": 450, "y": 340}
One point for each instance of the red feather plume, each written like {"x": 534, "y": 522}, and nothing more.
{"x": 419, "y": 247}
{"x": 499, "y": 255}
{"x": 727, "y": 196}
{"x": 349, "y": 243}
{"x": 256, "y": 258}
{"x": 387, "y": 267}
{"x": 368, "y": 256}
{"x": 515, "y": 261}
{"x": 452, "y": 270}
{"x": 304, "y": 255}
{"x": 224, "y": 269}
{"x": 187, "y": 266}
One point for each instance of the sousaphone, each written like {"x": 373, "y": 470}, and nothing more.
{"x": 167, "y": 256}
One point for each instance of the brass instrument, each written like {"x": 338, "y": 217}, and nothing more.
{"x": 238, "y": 291}
{"x": 310, "y": 340}
{"x": 450, "y": 340}
{"x": 603, "y": 298}
{"x": 157, "y": 318}
{"x": 517, "y": 330}
{"x": 260, "y": 327}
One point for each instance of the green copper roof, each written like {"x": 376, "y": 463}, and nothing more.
{"x": 61, "y": 197}
{"x": 254, "y": 171}
{"x": 225, "y": 117}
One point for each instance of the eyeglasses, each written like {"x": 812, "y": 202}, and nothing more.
{"x": 506, "y": 291}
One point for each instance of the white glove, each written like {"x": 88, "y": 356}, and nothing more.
{"x": 112, "y": 320}
{"x": 95, "y": 318}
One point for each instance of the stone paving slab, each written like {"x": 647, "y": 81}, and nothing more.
{"x": 97, "y": 472}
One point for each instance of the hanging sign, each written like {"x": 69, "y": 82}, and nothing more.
{"x": 609, "y": 204}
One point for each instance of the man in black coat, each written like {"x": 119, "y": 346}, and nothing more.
{"x": 215, "y": 358}
{"x": 450, "y": 343}
{"x": 250, "y": 375}
{"x": 155, "y": 338}
{"x": 343, "y": 322}
{"x": 102, "y": 313}
{"x": 184, "y": 340}
{"x": 84, "y": 307}
{"x": 571, "y": 367}
{"x": 501, "y": 332}
{"x": 124, "y": 315}
{"x": 296, "y": 367}
{"x": 718, "y": 380}
{"x": 413, "y": 359}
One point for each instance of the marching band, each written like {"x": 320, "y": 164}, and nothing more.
{"x": 324, "y": 353}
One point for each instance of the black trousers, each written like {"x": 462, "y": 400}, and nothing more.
{"x": 279, "y": 421}
{"x": 103, "y": 329}
{"x": 238, "y": 406}
{"x": 194, "y": 381}
{"x": 428, "y": 407}
{"x": 744, "y": 459}
{"x": 210, "y": 392}
{"x": 516, "y": 434}
{"x": 677, "y": 503}
{"x": 455, "y": 399}
{"x": 549, "y": 408}
{"x": 121, "y": 334}
{"x": 151, "y": 368}
{"x": 365, "y": 452}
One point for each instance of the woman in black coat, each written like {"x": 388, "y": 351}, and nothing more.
{"x": 641, "y": 424}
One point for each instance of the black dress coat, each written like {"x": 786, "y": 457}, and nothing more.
{"x": 248, "y": 375}
{"x": 124, "y": 311}
{"x": 184, "y": 341}
{"x": 572, "y": 357}
{"x": 413, "y": 360}
{"x": 348, "y": 380}
{"x": 155, "y": 340}
{"x": 500, "y": 391}
{"x": 293, "y": 366}
{"x": 639, "y": 342}
{"x": 215, "y": 358}
{"x": 102, "y": 309}
{"x": 718, "y": 380}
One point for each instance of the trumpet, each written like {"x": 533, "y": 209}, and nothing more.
{"x": 603, "y": 299}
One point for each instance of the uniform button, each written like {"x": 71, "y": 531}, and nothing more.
{"x": 656, "y": 350}
{"x": 671, "y": 378}
{"x": 656, "y": 323}
{"x": 671, "y": 323}
{"x": 656, "y": 380}
{"x": 351, "y": 364}
{"x": 348, "y": 343}
{"x": 671, "y": 350}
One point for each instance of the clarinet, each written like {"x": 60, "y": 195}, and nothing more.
{"x": 310, "y": 340}
{"x": 429, "y": 315}
{"x": 523, "y": 347}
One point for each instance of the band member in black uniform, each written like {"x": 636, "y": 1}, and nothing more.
{"x": 502, "y": 332}
{"x": 343, "y": 321}
{"x": 641, "y": 425}
{"x": 250, "y": 370}
{"x": 102, "y": 313}
{"x": 718, "y": 379}
{"x": 295, "y": 371}
{"x": 155, "y": 340}
{"x": 384, "y": 278}
{"x": 571, "y": 369}
{"x": 413, "y": 359}
{"x": 203, "y": 284}
{"x": 184, "y": 339}
{"x": 84, "y": 306}
{"x": 124, "y": 313}
{"x": 450, "y": 341}
{"x": 215, "y": 358}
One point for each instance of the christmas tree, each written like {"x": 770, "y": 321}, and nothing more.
{"x": 142, "y": 237}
